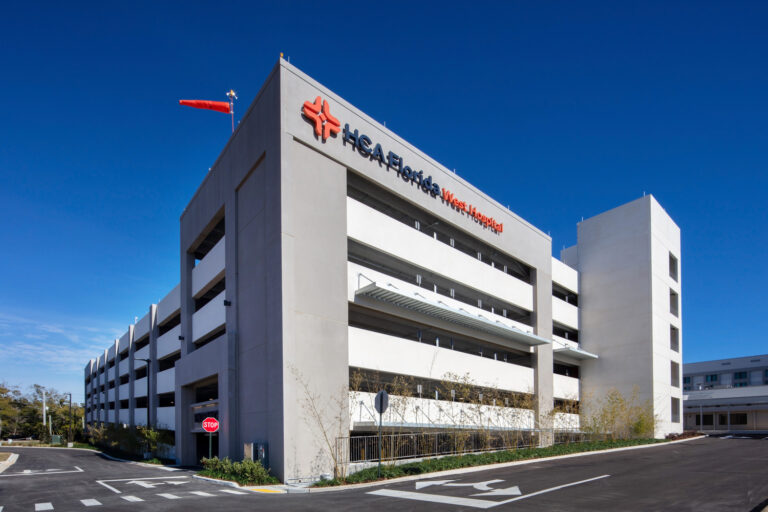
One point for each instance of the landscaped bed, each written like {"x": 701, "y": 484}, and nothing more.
{"x": 464, "y": 461}
{"x": 247, "y": 472}
{"x": 4, "y": 456}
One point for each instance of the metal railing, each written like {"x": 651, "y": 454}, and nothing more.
{"x": 410, "y": 445}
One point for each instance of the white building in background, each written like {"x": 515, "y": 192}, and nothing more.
{"x": 727, "y": 395}
{"x": 322, "y": 248}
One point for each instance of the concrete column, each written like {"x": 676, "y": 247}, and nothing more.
{"x": 131, "y": 393}
{"x": 185, "y": 443}
{"x": 153, "y": 366}
{"x": 542, "y": 355}
{"x": 230, "y": 443}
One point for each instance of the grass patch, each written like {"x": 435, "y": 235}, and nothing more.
{"x": 85, "y": 446}
{"x": 4, "y": 456}
{"x": 247, "y": 472}
{"x": 464, "y": 461}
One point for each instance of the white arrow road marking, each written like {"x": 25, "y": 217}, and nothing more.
{"x": 176, "y": 483}
{"x": 43, "y": 506}
{"x": 146, "y": 485}
{"x": 31, "y": 472}
{"x": 111, "y": 488}
{"x": 230, "y": 491}
{"x": 131, "y": 498}
{"x": 472, "y": 502}
{"x": 169, "y": 496}
{"x": 88, "y": 503}
{"x": 509, "y": 491}
{"x": 422, "y": 484}
{"x": 202, "y": 493}
{"x": 480, "y": 486}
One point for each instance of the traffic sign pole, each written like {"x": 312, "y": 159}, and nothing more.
{"x": 210, "y": 425}
{"x": 381, "y": 403}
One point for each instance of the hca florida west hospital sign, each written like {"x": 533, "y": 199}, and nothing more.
{"x": 318, "y": 113}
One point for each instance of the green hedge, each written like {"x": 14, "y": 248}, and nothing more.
{"x": 464, "y": 461}
{"x": 247, "y": 472}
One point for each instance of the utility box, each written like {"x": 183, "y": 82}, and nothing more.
{"x": 248, "y": 451}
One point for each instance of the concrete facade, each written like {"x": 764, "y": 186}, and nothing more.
{"x": 623, "y": 257}
{"x": 308, "y": 257}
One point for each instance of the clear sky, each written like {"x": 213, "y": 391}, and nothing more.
{"x": 559, "y": 109}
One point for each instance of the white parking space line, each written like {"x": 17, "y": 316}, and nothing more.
{"x": 43, "y": 506}
{"x": 435, "y": 498}
{"x": 230, "y": 491}
{"x": 131, "y": 498}
{"x": 89, "y": 503}
{"x": 169, "y": 496}
{"x": 202, "y": 493}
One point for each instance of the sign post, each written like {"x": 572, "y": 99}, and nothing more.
{"x": 210, "y": 425}
{"x": 382, "y": 402}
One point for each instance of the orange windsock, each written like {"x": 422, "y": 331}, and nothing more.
{"x": 218, "y": 106}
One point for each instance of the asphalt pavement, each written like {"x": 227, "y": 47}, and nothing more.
{"x": 701, "y": 475}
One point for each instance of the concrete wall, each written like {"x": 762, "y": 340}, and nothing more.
{"x": 244, "y": 187}
{"x": 622, "y": 257}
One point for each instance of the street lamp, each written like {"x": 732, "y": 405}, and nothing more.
{"x": 149, "y": 379}
{"x": 71, "y": 421}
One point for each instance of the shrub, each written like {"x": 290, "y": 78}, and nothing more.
{"x": 247, "y": 472}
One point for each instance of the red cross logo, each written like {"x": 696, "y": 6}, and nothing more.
{"x": 325, "y": 123}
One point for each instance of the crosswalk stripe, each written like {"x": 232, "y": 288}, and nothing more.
{"x": 230, "y": 491}
{"x": 43, "y": 506}
{"x": 131, "y": 498}
{"x": 202, "y": 493}
{"x": 88, "y": 503}
{"x": 169, "y": 496}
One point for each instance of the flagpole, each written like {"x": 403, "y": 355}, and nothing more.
{"x": 232, "y": 97}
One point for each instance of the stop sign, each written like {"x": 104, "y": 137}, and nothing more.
{"x": 211, "y": 424}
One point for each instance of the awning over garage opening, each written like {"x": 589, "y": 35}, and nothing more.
{"x": 414, "y": 301}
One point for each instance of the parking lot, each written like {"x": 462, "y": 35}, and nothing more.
{"x": 701, "y": 474}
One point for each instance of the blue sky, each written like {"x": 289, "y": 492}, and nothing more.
{"x": 560, "y": 109}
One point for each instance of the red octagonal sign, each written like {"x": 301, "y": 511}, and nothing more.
{"x": 210, "y": 424}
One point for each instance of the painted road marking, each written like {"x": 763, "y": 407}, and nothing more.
{"x": 169, "y": 496}
{"x": 43, "y": 506}
{"x": 131, "y": 498}
{"x": 36, "y": 472}
{"x": 472, "y": 502}
{"x": 202, "y": 493}
{"x": 230, "y": 491}
{"x": 89, "y": 503}
{"x": 135, "y": 480}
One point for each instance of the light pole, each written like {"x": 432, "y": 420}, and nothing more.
{"x": 71, "y": 421}
{"x": 149, "y": 379}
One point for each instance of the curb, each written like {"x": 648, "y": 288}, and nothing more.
{"x": 274, "y": 489}
{"x": 8, "y": 463}
{"x": 473, "y": 469}
{"x": 136, "y": 462}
